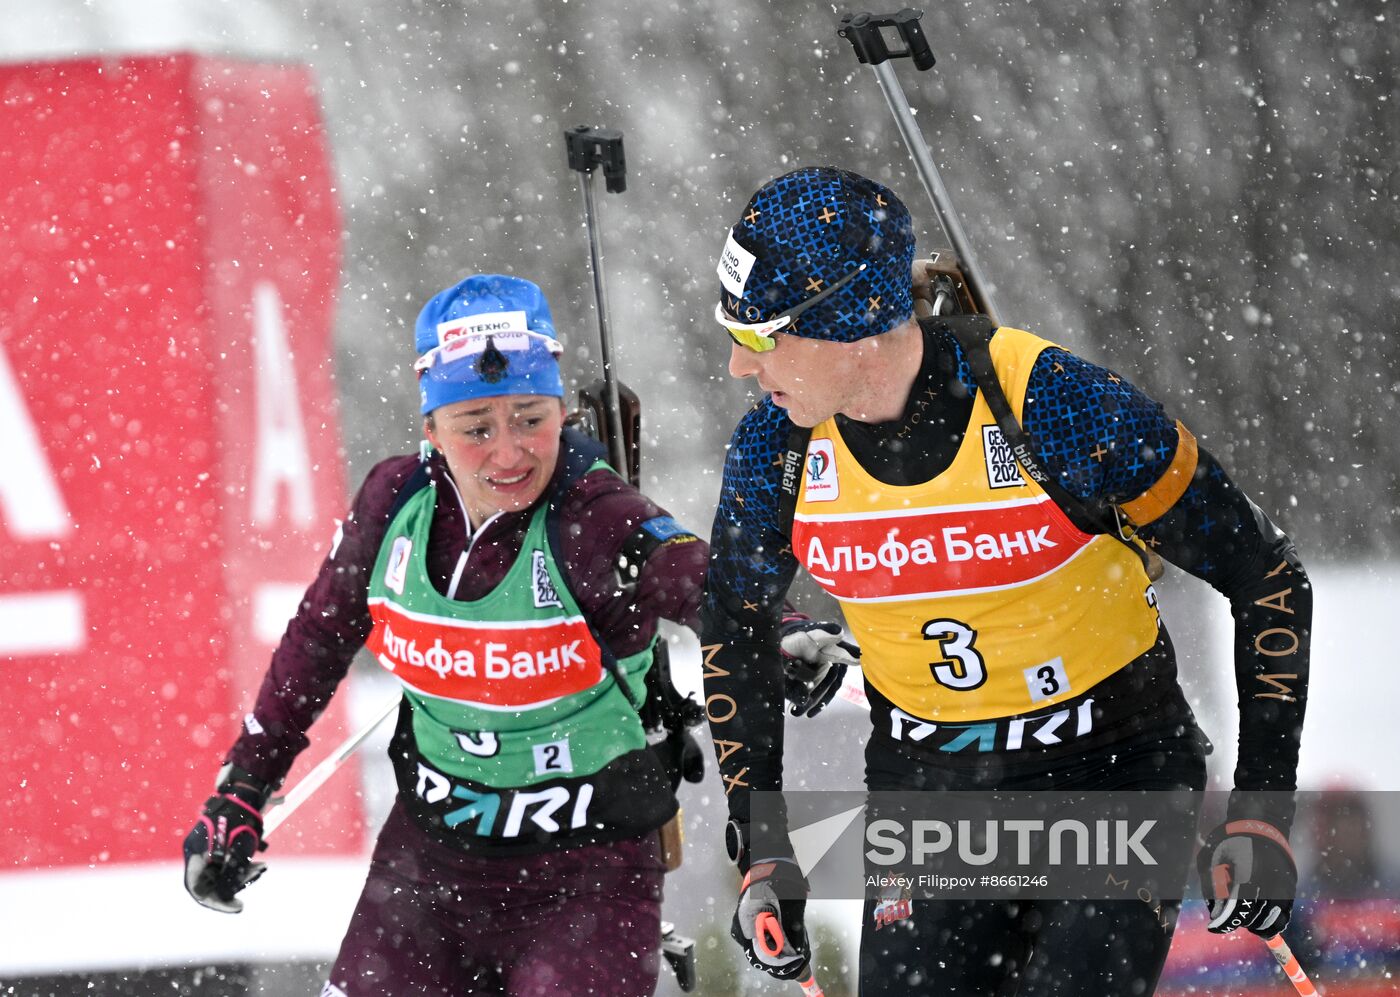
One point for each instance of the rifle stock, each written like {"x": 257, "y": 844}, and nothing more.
{"x": 592, "y": 417}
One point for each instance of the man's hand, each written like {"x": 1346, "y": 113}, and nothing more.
{"x": 815, "y": 659}
{"x": 1241, "y": 863}
{"x": 768, "y": 921}
{"x": 219, "y": 849}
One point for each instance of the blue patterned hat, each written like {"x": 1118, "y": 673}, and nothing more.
{"x": 805, "y": 231}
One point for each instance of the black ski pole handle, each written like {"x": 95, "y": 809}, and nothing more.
{"x": 590, "y": 148}
{"x": 868, "y": 36}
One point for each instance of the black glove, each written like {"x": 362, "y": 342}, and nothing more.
{"x": 815, "y": 659}
{"x": 682, "y": 757}
{"x": 768, "y": 921}
{"x": 219, "y": 849}
{"x": 1241, "y": 864}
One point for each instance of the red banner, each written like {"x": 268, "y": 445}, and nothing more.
{"x": 168, "y": 437}
{"x": 493, "y": 665}
{"x": 921, "y": 552}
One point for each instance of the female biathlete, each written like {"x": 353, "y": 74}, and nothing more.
{"x": 512, "y": 582}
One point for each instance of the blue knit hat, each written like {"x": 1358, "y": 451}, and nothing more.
{"x": 805, "y": 231}
{"x": 487, "y": 336}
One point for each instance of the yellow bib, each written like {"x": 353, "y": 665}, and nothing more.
{"x": 972, "y": 595}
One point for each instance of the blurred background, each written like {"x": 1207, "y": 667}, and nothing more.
{"x": 1202, "y": 197}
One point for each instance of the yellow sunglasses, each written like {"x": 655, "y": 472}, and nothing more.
{"x": 758, "y": 336}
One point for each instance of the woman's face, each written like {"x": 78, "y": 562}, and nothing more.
{"x": 501, "y": 451}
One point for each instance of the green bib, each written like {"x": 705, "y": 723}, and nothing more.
{"x": 509, "y": 690}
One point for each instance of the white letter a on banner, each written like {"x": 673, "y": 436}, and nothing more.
{"x": 31, "y": 506}
{"x": 281, "y": 455}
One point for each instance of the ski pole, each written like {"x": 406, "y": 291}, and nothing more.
{"x": 768, "y": 936}
{"x": 1288, "y": 962}
{"x": 588, "y": 149}
{"x": 864, "y": 32}
{"x": 282, "y": 807}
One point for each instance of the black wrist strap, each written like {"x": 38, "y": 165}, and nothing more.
{"x": 239, "y": 783}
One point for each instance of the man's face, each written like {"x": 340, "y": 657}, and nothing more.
{"x": 807, "y": 377}
{"x": 501, "y": 451}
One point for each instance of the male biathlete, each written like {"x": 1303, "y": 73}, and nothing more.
{"x": 512, "y": 582}
{"x": 1004, "y": 644}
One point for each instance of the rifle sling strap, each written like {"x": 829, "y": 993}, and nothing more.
{"x": 974, "y": 334}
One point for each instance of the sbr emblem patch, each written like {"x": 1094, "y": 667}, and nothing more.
{"x": 1002, "y": 469}
{"x": 545, "y": 595}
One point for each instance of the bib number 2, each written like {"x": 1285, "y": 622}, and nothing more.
{"x": 960, "y": 666}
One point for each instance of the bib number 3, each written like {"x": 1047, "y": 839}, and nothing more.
{"x": 960, "y": 667}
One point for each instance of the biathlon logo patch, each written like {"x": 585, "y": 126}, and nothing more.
{"x": 545, "y": 594}
{"x": 820, "y": 472}
{"x": 1002, "y": 469}
{"x": 396, "y": 571}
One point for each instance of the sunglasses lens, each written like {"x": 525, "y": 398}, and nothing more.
{"x": 751, "y": 340}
